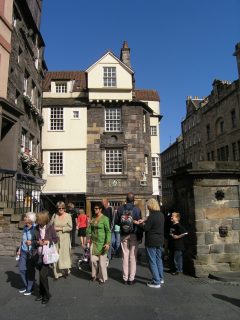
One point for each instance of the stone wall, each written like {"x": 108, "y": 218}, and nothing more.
{"x": 135, "y": 145}
{"x": 10, "y": 230}
{"x": 207, "y": 201}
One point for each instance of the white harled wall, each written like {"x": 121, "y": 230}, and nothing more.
{"x": 72, "y": 141}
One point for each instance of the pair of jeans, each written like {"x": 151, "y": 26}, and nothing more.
{"x": 116, "y": 242}
{"x": 27, "y": 270}
{"x": 154, "y": 255}
{"x": 178, "y": 260}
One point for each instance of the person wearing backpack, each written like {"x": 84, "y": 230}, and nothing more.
{"x": 128, "y": 217}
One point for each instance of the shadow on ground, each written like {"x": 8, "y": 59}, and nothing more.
{"x": 235, "y": 302}
{"x": 14, "y": 279}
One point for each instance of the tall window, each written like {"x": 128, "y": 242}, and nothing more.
{"x": 146, "y": 164}
{"x": 23, "y": 140}
{"x": 113, "y": 161}
{"x": 221, "y": 126}
{"x": 56, "y": 119}
{"x": 208, "y": 131}
{"x": 56, "y": 163}
{"x": 155, "y": 167}
{"x": 234, "y": 151}
{"x": 109, "y": 77}
{"x": 25, "y": 84}
{"x": 61, "y": 87}
{"x": 113, "y": 119}
{"x": 153, "y": 130}
{"x": 144, "y": 121}
{"x": 233, "y": 118}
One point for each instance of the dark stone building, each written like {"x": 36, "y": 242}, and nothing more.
{"x": 21, "y": 120}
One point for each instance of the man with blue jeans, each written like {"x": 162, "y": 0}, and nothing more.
{"x": 154, "y": 240}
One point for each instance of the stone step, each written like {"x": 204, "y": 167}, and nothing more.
{"x": 8, "y": 211}
{"x": 3, "y": 204}
{"x": 10, "y": 253}
{"x": 16, "y": 217}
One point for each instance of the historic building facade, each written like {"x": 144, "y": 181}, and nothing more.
{"x": 20, "y": 103}
{"x": 106, "y": 134}
{"x": 205, "y": 186}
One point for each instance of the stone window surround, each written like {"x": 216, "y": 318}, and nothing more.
{"x": 124, "y": 174}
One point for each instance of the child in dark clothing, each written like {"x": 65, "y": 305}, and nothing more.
{"x": 176, "y": 244}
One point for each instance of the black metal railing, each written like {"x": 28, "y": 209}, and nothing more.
{"x": 7, "y": 188}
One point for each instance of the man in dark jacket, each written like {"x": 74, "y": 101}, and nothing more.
{"x": 128, "y": 217}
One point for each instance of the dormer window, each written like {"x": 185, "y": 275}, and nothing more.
{"x": 109, "y": 77}
{"x": 61, "y": 87}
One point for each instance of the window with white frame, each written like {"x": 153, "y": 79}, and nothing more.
{"x": 61, "y": 87}
{"x": 146, "y": 164}
{"x": 56, "y": 119}
{"x": 23, "y": 140}
{"x": 56, "y": 163}
{"x": 155, "y": 167}
{"x": 31, "y": 145}
{"x": 144, "y": 121}
{"x": 114, "y": 161}
{"x": 113, "y": 119}
{"x": 153, "y": 130}
{"x": 109, "y": 77}
{"x": 25, "y": 84}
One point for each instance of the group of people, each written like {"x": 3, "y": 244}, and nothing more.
{"x": 108, "y": 231}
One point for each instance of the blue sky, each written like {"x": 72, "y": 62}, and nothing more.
{"x": 177, "y": 47}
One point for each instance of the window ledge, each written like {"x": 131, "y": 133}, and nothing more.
{"x": 113, "y": 176}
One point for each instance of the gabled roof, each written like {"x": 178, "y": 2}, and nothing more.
{"x": 80, "y": 78}
{"x": 115, "y": 57}
{"x": 147, "y": 95}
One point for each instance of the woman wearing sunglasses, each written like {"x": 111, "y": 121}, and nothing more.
{"x": 100, "y": 234}
{"x": 62, "y": 222}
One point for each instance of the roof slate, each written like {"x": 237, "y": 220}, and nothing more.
{"x": 147, "y": 95}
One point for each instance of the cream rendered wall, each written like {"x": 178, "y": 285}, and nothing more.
{"x": 72, "y": 141}
{"x": 97, "y": 91}
{"x": 73, "y": 179}
{"x": 4, "y": 65}
{"x": 155, "y": 142}
{"x": 5, "y": 34}
{"x": 74, "y": 134}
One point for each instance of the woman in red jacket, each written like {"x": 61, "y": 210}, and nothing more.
{"x": 82, "y": 224}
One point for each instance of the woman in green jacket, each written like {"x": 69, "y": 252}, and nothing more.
{"x": 100, "y": 235}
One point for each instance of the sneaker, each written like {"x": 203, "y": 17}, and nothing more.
{"x": 131, "y": 282}
{"x": 162, "y": 281}
{"x": 174, "y": 273}
{"x": 153, "y": 285}
{"x": 22, "y": 290}
{"x": 27, "y": 293}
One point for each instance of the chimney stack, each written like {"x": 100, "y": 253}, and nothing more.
{"x": 125, "y": 54}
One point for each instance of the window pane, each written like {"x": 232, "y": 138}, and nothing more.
{"x": 56, "y": 163}
{"x": 113, "y": 119}
{"x": 109, "y": 77}
{"x": 114, "y": 161}
{"x": 56, "y": 119}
